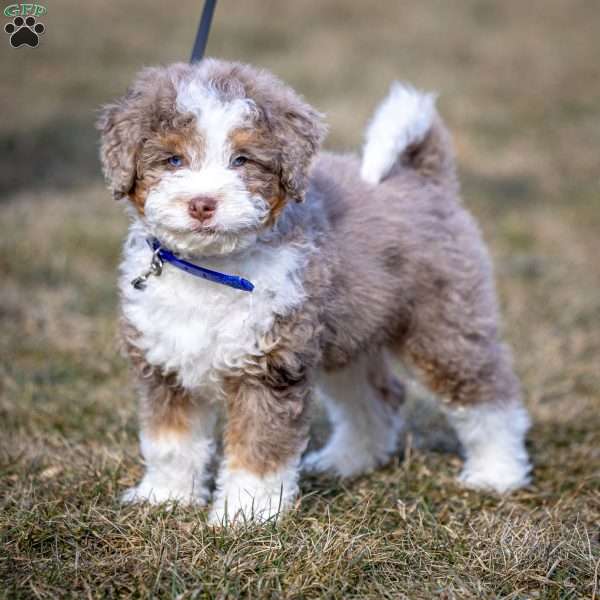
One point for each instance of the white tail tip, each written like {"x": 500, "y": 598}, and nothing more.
{"x": 404, "y": 118}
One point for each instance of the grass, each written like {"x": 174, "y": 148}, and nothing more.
{"x": 520, "y": 88}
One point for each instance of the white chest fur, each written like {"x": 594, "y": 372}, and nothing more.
{"x": 198, "y": 328}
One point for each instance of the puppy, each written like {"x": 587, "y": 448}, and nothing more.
{"x": 352, "y": 261}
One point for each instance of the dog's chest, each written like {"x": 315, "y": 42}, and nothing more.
{"x": 200, "y": 329}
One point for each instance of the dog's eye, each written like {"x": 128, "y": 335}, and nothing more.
{"x": 239, "y": 161}
{"x": 175, "y": 161}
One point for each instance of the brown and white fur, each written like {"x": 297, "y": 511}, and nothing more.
{"x": 353, "y": 262}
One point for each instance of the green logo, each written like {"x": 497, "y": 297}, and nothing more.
{"x": 24, "y": 29}
{"x": 25, "y": 10}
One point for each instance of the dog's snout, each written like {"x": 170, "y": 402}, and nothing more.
{"x": 202, "y": 208}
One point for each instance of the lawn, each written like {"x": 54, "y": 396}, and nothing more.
{"x": 519, "y": 86}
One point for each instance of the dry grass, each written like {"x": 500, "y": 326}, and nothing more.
{"x": 520, "y": 88}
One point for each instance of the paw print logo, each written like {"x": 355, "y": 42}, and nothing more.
{"x": 24, "y": 32}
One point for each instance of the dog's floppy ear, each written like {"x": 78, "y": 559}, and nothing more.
{"x": 120, "y": 129}
{"x": 300, "y": 130}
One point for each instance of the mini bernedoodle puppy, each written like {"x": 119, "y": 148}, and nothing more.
{"x": 352, "y": 261}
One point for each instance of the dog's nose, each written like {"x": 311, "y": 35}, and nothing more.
{"x": 202, "y": 208}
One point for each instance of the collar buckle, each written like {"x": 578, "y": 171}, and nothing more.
{"x": 156, "y": 267}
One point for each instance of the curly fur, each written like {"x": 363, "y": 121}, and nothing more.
{"x": 390, "y": 263}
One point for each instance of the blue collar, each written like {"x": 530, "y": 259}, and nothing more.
{"x": 161, "y": 255}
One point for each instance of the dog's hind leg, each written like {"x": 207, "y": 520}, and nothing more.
{"x": 363, "y": 402}
{"x": 475, "y": 378}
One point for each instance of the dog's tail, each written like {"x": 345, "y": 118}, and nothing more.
{"x": 407, "y": 129}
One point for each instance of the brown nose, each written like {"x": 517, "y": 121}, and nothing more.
{"x": 202, "y": 207}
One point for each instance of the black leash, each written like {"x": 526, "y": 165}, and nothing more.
{"x": 203, "y": 31}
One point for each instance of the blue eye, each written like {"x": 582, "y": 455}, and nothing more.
{"x": 175, "y": 161}
{"x": 239, "y": 161}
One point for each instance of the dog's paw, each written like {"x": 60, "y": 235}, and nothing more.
{"x": 151, "y": 493}
{"x": 359, "y": 445}
{"x": 340, "y": 462}
{"x": 345, "y": 460}
{"x": 243, "y": 497}
{"x": 236, "y": 510}
{"x": 498, "y": 476}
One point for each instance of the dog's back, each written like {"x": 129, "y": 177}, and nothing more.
{"x": 399, "y": 236}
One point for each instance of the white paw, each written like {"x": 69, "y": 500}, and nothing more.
{"x": 242, "y": 497}
{"x": 341, "y": 461}
{"x": 359, "y": 444}
{"x": 493, "y": 439}
{"x": 149, "y": 492}
{"x": 345, "y": 457}
{"x": 497, "y": 476}
{"x": 236, "y": 510}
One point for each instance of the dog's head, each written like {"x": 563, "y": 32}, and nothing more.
{"x": 208, "y": 154}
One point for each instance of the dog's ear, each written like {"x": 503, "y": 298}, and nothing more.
{"x": 120, "y": 129}
{"x": 299, "y": 129}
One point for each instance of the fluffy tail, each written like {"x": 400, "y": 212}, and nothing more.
{"x": 406, "y": 128}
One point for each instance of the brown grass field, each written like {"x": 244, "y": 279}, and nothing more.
{"x": 519, "y": 86}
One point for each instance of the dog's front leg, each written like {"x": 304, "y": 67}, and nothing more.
{"x": 266, "y": 433}
{"x": 177, "y": 443}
